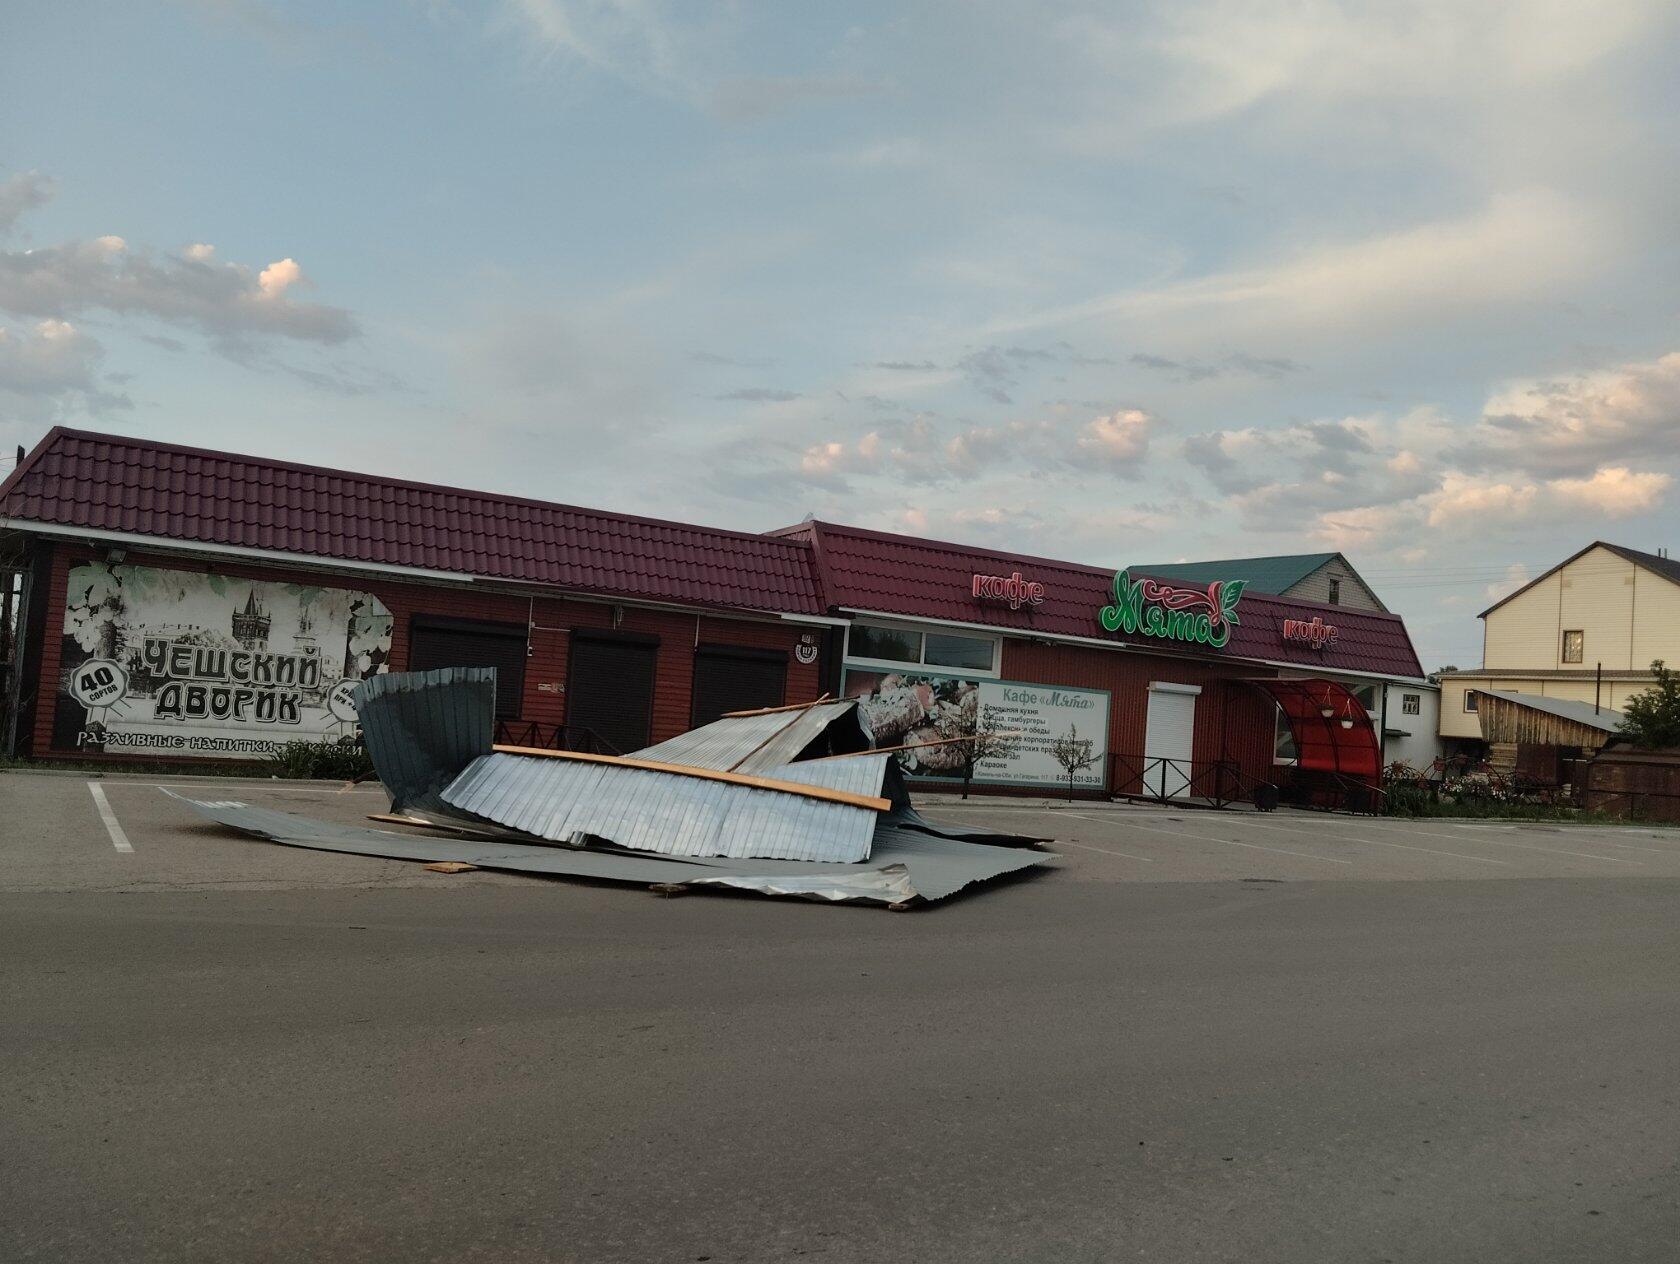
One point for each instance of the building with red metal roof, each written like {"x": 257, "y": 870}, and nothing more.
{"x": 191, "y": 603}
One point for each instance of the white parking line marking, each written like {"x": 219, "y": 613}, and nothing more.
{"x": 119, "y": 840}
{"x": 1229, "y": 842}
{"x": 1107, "y": 851}
{"x": 1499, "y": 842}
{"x": 1588, "y": 834}
{"x": 1377, "y": 842}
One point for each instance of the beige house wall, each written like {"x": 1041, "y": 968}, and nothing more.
{"x": 1524, "y": 631}
{"x": 1354, "y": 594}
{"x": 1656, "y": 625}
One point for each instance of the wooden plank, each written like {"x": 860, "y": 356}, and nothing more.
{"x": 792, "y": 706}
{"x": 707, "y": 774}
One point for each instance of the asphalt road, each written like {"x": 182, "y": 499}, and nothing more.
{"x": 372, "y": 1064}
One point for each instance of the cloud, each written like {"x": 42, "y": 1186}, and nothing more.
{"x": 1194, "y": 370}
{"x": 759, "y": 395}
{"x": 1520, "y": 244}
{"x": 824, "y": 462}
{"x": 1573, "y": 426}
{"x": 223, "y": 300}
{"x": 277, "y": 278}
{"x": 52, "y": 368}
{"x": 629, "y": 39}
{"x": 21, "y": 194}
{"x": 1119, "y": 440}
{"x": 1464, "y": 498}
{"x": 1186, "y": 64}
{"x": 1614, "y": 491}
{"x": 731, "y": 362}
{"x": 751, "y": 100}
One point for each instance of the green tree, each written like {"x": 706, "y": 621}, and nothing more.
{"x": 1651, "y": 720}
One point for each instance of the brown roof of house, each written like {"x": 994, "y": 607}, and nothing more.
{"x": 111, "y": 483}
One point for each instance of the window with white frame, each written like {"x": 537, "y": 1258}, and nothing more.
{"x": 886, "y": 645}
{"x": 1411, "y": 703}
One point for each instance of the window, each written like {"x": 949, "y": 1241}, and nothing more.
{"x": 1411, "y": 703}
{"x": 1574, "y": 644}
{"x": 733, "y": 678}
{"x": 892, "y": 645}
{"x": 1335, "y": 592}
{"x": 940, "y": 651}
{"x": 1367, "y": 695}
{"x": 1470, "y": 696}
{"x": 435, "y": 641}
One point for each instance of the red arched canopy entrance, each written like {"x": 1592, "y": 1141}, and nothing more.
{"x": 1333, "y": 731}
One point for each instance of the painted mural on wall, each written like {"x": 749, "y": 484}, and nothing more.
{"x": 910, "y": 708}
{"x": 163, "y": 662}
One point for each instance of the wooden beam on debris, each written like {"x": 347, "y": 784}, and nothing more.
{"x": 707, "y": 774}
{"x": 792, "y": 706}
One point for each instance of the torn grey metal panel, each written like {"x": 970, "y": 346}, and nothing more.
{"x": 422, "y": 728}
{"x": 670, "y": 814}
{"x": 907, "y": 865}
{"x": 754, "y": 743}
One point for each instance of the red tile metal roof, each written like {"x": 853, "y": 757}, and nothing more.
{"x": 112, "y": 483}
{"x": 929, "y": 579}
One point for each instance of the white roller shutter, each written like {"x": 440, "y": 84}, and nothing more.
{"x": 1169, "y": 734}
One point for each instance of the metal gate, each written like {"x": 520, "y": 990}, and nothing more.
{"x": 14, "y": 602}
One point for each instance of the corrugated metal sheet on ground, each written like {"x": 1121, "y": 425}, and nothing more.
{"x": 907, "y": 864}
{"x": 750, "y": 743}
{"x": 565, "y": 800}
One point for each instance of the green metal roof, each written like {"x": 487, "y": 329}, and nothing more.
{"x": 1264, "y": 574}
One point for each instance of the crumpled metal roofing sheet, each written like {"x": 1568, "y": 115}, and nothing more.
{"x": 750, "y": 743}
{"x": 420, "y": 727}
{"x": 907, "y": 864}
{"x": 567, "y": 800}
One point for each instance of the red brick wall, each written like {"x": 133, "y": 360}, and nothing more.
{"x": 552, "y": 618}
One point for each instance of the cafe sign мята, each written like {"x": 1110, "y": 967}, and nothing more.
{"x": 1145, "y": 607}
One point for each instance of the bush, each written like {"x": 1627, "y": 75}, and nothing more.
{"x": 343, "y": 760}
{"x": 1651, "y": 720}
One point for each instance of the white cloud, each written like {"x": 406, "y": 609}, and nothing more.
{"x": 1463, "y": 497}
{"x": 279, "y": 276}
{"x": 1572, "y": 426}
{"x": 49, "y": 369}
{"x": 224, "y": 300}
{"x": 825, "y": 462}
{"x": 1520, "y": 244}
{"x": 1121, "y": 438}
{"x": 21, "y": 194}
{"x": 631, "y": 39}
{"x": 1614, "y": 491}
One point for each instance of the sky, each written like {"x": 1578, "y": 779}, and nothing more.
{"x": 1117, "y": 283}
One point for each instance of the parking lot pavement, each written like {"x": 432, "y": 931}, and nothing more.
{"x": 1200, "y": 1036}
{"x": 1138, "y": 843}
{"x": 123, "y": 833}
{"x": 68, "y": 833}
